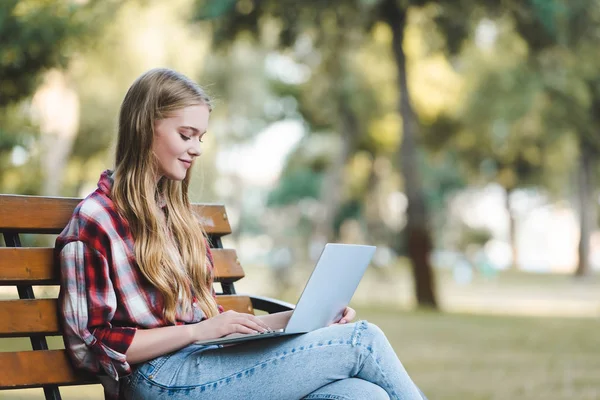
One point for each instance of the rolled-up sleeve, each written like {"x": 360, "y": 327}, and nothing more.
{"x": 87, "y": 305}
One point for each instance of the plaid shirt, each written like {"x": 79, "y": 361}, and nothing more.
{"x": 104, "y": 297}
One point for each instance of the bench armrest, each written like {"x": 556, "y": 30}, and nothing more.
{"x": 270, "y": 305}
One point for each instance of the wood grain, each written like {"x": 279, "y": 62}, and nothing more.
{"x": 27, "y": 369}
{"x": 40, "y": 316}
{"x": 37, "y": 214}
{"x": 35, "y": 266}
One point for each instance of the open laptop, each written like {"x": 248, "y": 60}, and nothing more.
{"x": 325, "y": 296}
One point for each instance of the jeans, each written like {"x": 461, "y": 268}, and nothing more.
{"x": 350, "y": 361}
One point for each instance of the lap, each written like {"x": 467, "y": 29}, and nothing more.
{"x": 278, "y": 368}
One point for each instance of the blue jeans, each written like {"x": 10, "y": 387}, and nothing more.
{"x": 351, "y": 361}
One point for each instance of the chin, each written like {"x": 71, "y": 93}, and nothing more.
{"x": 175, "y": 177}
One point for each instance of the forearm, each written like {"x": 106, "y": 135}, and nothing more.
{"x": 276, "y": 321}
{"x": 151, "y": 343}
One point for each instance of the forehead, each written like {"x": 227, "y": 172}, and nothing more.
{"x": 194, "y": 116}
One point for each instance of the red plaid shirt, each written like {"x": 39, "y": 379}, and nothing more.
{"x": 104, "y": 297}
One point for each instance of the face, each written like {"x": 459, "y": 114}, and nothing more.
{"x": 177, "y": 140}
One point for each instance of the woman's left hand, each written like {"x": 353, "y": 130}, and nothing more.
{"x": 348, "y": 316}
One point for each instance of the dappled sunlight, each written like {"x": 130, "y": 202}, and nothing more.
{"x": 460, "y": 138}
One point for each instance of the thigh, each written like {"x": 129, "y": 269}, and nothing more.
{"x": 278, "y": 368}
{"x": 349, "y": 389}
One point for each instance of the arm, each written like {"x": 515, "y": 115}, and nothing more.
{"x": 276, "y": 321}
{"x": 151, "y": 343}
{"x": 87, "y": 305}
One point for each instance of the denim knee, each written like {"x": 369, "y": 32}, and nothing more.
{"x": 368, "y": 335}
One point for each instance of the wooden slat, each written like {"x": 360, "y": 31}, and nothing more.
{"x": 30, "y": 317}
{"x": 27, "y": 265}
{"x": 214, "y": 218}
{"x": 28, "y": 369}
{"x": 35, "y": 266}
{"x": 227, "y": 265}
{"x": 238, "y": 303}
{"x": 36, "y": 214}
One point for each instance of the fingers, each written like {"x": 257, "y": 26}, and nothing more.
{"x": 246, "y": 323}
{"x": 255, "y": 326}
{"x": 349, "y": 315}
{"x": 260, "y": 322}
{"x": 239, "y": 328}
{"x": 256, "y": 322}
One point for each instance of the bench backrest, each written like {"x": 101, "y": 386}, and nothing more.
{"x": 36, "y": 319}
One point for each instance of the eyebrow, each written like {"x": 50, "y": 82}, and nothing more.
{"x": 196, "y": 131}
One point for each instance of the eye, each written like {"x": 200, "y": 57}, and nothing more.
{"x": 184, "y": 137}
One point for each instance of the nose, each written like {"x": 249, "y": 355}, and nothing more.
{"x": 196, "y": 149}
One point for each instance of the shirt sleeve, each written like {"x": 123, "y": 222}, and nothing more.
{"x": 87, "y": 305}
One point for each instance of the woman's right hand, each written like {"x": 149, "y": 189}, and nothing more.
{"x": 227, "y": 323}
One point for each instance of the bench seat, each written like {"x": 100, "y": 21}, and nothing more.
{"x": 37, "y": 319}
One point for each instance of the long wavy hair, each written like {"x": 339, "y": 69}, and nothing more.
{"x": 170, "y": 247}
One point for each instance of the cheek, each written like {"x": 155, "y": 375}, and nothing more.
{"x": 163, "y": 152}
{"x": 164, "y": 147}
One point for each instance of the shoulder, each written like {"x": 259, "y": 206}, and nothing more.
{"x": 97, "y": 208}
{"x": 94, "y": 218}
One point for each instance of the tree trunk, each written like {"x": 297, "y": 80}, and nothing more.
{"x": 586, "y": 210}
{"x": 417, "y": 229}
{"x": 512, "y": 231}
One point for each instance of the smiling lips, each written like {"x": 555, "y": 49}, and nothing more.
{"x": 187, "y": 163}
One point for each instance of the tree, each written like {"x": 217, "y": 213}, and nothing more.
{"x": 317, "y": 19}
{"x": 35, "y": 37}
{"x": 560, "y": 38}
{"x": 417, "y": 226}
{"x": 325, "y": 105}
{"x": 501, "y": 133}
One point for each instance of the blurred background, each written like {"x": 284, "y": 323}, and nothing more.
{"x": 461, "y": 137}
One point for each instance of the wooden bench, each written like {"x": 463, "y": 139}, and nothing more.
{"x": 24, "y": 267}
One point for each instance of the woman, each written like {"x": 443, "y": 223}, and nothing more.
{"x": 137, "y": 282}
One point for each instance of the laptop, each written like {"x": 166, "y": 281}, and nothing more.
{"x": 327, "y": 293}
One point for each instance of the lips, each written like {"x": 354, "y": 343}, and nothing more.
{"x": 187, "y": 163}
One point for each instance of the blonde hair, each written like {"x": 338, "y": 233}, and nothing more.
{"x": 170, "y": 253}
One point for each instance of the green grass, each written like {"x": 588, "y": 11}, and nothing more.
{"x": 471, "y": 357}
{"x": 454, "y": 356}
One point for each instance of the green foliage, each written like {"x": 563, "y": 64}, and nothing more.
{"x": 442, "y": 175}
{"x": 231, "y": 18}
{"x": 36, "y": 35}
{"x": 32, "y": 38}
{"x": 294, "y": 186}
{"x": 213, "y": 9}
{"x": 472, "y": 236}
{"x": 350, "y": 209}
